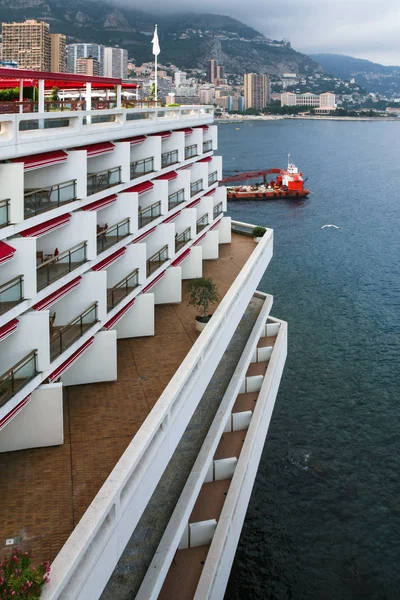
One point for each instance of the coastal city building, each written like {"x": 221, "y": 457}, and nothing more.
{"x": 179, "y": 78}
{"x": 58, "y": 53}
{"x": 115, "y": 62}
{"x": 87, "y": 66}
{"x": 27, "y": 44}
{"x": 256, "y": 90}
{"x": 212, "y": 70}
{"x": 322, "y": 103}
{"x": 207, "y": 94}
{"x": 135, "y": 435}
{"x": 75, "y": 51}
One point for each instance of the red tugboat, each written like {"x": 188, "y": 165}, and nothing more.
{"x": 288, "y": 184}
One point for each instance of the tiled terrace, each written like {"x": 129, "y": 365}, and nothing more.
{"x": 45, "y": 491}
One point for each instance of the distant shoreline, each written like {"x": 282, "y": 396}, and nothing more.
{"x": 244, "y": 118}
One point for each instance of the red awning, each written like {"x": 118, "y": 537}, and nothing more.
{"x": 8, "y": 329}
{"x": 186, "y": 130}
{"x": 217, "y": 223}
{"x": 145, "y": 234}
{"x": 205, "y": 127}
{"x": 9, "y": 416}
{"x": 60, "y": 293}
{"x": 67, "y": 363}
{"x": 114, "y": 320}
{"x": 210, "y": 192}
{"x": 101, "y": 203}
{"x": 97, "y": 149}
{"x": 168, "y": 176}
{"x": 6, "y": 252}
{"x": 200, "y": 239}
{"x": 194, "y": 203}
{"x": 109, "y": 260}
{"x": 172, "y": 217}
{"x": 180, "y": 258}
{"x": 46, "y": 227}
{"x": 141, "y": 188}
{"x": 206, "y": 159}
{"x": 163, "y": 134}
{"x": 135, "y": 140}
{"x": 185, "y": 167}
{"x": 152, "y": 283}
{"x": 42, "y": 160}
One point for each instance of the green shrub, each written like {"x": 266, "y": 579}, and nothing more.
{"x": 259, "y": 231}
{"x": 202, "y": 292}
{"x": 18, "y": 579}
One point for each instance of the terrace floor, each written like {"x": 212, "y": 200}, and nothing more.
{"x": 45, "y": 491}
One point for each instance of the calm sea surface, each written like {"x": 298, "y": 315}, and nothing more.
{"x": 324, "y": 517}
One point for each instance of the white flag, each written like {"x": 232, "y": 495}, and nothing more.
{"x": 155, "y": 42}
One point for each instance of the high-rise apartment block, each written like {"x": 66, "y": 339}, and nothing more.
{"x": 212, "y": 68}
{"x": 256, "y": 90}
{"x": 87, "y": 66}
{"x": 58, "y": 53}
{"x": 75, "y": 51}
{"x": 115, "y": 62}
{"x": 179, "y": 78}
{"x": 28, "y": 44}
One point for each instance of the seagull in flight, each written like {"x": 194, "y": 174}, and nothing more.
{"x": 335, "y": 226}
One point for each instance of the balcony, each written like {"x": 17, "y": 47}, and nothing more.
{"x": 191, "y": 151}
{"x": 4, "y": 213}
{"x": 11, "y": 294}
{"x": 61, "y": 338}
{"x": 207, "y": 146}
{"x": 149, "y": 214}
{"x": 182, "y": 239}
{"x": 96, "y": 182}
{"x": 196, "y": 187}
{"x": 142, "y": 167}
{"x": 202, "y": 223}
{"x": 218, "y": 209}
{"x": 158, "y": 259}
{"x": 17, "y": 377}
{"x": 213, "y": 178}
{"x": 57, "y": 266}
{"x": 108, "y": 236}
{"x": 121, "y": 290}
{"x": 169, "y": 158}
{"x": 176, "y": 199}
{"x": 37, "y": 201}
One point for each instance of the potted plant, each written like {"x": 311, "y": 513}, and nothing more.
{"x": 202, "y": 292}
{"x": 258, "y": 233}
{"x": 19, "y": 579}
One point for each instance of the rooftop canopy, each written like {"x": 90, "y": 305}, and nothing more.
{"x": 12, "y": 77}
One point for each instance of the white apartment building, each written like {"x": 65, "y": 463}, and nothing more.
{"x": 75, "y": 51}
{"x": 106, "y": 385}
{"x": 116, "y": 62}
{"x": 322, "y": 103}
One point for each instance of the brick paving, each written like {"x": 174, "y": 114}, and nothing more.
{"x": 45, "y": 491}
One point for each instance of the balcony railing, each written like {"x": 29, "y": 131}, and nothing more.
{"x": 202, "y": 223}
{"x": 218, "y": 209}
{"x": 63, "y": 337}
{"x": 60, "y": 265}
{"x": 182, "y": 239}
{"x": 108, "y": 236}
{"x": 196, "y": 187}
{"x": 207, "y": 146}
{"x": 158, "y": 259}
{"x": 96, "y": 182}
{"x": 147, "y": 215}
{"x": 11, "y": 294}
{"x": 190, "y": 151}
{"x": 176, "y": 199}
{"x": 122, "y": 289}
{"x": 213, "y": 178}
{"x": 40, "y": 200}
{"x": 142, "y": 167}
{"x": 4, "y": 212}
{"x": 169, "y": 158}
{"x": 19, "y": 375}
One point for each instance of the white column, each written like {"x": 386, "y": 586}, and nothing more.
{"x": 41, "y": 102}
{"x": 119, "y": 95}
{"x": 88, "y": 96}
{"x": 21, "y": 94}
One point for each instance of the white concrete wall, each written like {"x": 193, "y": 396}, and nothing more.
{"x": 162, "y": 236}
{"x": 150, "y": 147}
{"x": 134, "y": 258}
{"x": 192, "y": 266}
{"x": 12, "y": 187}
{"x": 224, "y": 230}
{"x": 139, "y": 320}
{"x": 119, "y": 210}
{"x": 73, "y": 168}
{"x": 182, "y": 182}
{"x": 32, "y": 334}
{"x": 23, "y": 263}
{"x": 212, "y": 134}
{"x": 210, "y": 245}
{"x": 98, "y": 363}
{"x": 169, "y": 289}
{"x": 39, "y": 424}
{"x": 187, "y": 218}
{"x": 91, "y": 289}
{"x": 199, "y": 171}
{"x": 175, "y": 142}
{"x": 81, "y": 228}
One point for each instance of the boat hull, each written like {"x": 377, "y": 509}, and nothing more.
{"x": 273, "y": 195}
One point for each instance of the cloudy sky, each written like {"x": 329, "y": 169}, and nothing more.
{"x": 361, "y": 28}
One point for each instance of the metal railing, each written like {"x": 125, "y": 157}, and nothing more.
{"x": 190, "y": 151}
{"x": 155, "y": 261}
{"x": 202, "y": 223}
{"x": 147, "y": 215}
{"x": 207, "y": 146}
{"x": 176, "y": 198}
{"x": 182, "y": 239}
{"x": 60, "y": 265}
{"x": 64, "y": 337}
{"x": 19, "y": 375}
{"x": 4, "y": 212}
{"x": 112, "y": 235}
{"x": 122, "y": 289}
{"x": 213, "y": 178}
{"x": 142, "y": 167}
{"x": 40, "y": 200}
{"x": 11, "y": 293}
{"x": 169, "y": 158}
{"x": 218, "y": 209}
{"x": 196, "y": 187}
{"x": 103, "y": 180}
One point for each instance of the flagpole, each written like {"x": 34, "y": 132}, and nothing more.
{"x": 156, "y": 81}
